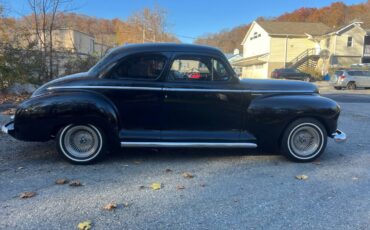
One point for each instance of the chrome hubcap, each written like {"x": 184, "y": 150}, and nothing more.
{"x": 305, "y": 140}
{"x": 81, "y": 141}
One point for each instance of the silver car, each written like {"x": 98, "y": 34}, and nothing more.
{"x": 351, "y": 79}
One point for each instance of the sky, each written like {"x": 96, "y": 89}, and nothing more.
{"x": 187, "y": 19}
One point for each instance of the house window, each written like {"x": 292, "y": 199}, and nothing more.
{"x": 328, "y": 42}
{"x": 349, "y": 42}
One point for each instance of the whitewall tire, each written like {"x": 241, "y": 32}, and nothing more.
{"x": 81, "y": 143}
{"x": 304, "y": 140}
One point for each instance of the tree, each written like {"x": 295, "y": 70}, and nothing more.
{"x": 44, "y": 13}
{"x": 147, "y": 25}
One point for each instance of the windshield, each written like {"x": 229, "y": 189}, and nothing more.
{"x": 96, "y": 69}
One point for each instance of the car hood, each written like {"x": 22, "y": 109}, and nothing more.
{"x": 278, "y": 85}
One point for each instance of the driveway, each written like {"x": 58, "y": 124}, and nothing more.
{"x": 231, "y": 189}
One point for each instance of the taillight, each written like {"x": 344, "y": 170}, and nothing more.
{"x": 341, "y": 78}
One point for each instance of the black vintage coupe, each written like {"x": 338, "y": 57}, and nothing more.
{"x": 171, "y": 95}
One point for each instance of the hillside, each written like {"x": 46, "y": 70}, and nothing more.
{"x": 111, "y": 32}
{"x": 334, "y": 16}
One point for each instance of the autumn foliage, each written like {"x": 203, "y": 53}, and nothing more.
{"x": 335, "y": 15}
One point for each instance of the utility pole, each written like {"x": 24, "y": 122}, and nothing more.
{"x": 143, "y": 33}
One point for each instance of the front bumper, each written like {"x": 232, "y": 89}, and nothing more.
{"x": 339, "y": 136}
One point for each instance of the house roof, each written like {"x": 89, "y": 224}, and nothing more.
{"x": 347, "y": 26}
{"x": 294, "y": 28}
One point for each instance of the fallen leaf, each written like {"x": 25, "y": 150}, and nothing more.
{"x": 302, "y": 177}
{"x": 25, "y": 195}
{"x": 126, "y": 205}
{"x": 179, "y": 187}
{"x": 168, "y": 170}
{"x": 61, "y": 181}
{"x": 141, "y": 187}
{"x": 75, "y": 183}
{"x": 156, "y": 186}
{"x": 110, "y": 206}
{"x": 86, "y": 225}
{"x": 187, "y": 175}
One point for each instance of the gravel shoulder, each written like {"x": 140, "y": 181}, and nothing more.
{"x": 232, "y": 189}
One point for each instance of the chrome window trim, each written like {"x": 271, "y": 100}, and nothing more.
{"x": 257, "y": 92}
{"x": 190, "y": 144}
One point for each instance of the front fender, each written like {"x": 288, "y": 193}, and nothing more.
{"x": 268, "y": 116}
{"x": 38, "y": 118}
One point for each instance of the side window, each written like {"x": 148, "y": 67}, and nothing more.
{"x": 366, "y": 73}
{"x": 220, "y": 73}
{"x": 197, "y": 69}
{"x": 141, "y": 67}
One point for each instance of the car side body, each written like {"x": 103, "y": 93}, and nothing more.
{"x": 290, "y": 74}
{"x": 181, "y": 104}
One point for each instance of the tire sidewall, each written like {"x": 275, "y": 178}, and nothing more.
{"x": 286, "y": 140}
{"x": 95, "y": 157}
{"x": 351, "y": 86}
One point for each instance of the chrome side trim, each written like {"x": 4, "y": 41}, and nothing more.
{"x": 105, "y": 87}
{"x": 339, "y": 136}
{"x": 255, "y": 92}
{"x": 189, "y": 144}
{"x": 280, "y": 91}
{"x": 4, "y": 129}
{"x": 207, "y": 90}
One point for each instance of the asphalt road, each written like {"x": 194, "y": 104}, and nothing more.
{"x": 231, "y": 189}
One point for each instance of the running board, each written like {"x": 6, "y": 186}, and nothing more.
{"x": 190, "y": 144}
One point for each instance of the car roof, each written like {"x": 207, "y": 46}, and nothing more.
{"x": 165, "y": 47}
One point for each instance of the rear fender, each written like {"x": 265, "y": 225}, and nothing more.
{"x": 38, "y": 118}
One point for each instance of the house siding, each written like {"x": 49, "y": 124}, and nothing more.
{"x": 256, "y": 46}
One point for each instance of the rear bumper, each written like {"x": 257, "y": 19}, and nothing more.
{"x": 339, "y": 136}
{"x": 8, "y": 128}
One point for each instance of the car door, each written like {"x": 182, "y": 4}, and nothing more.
{"x": 136, "y": 90}
{"x": 200, "y": 103}
{"x": 357, "y": 77}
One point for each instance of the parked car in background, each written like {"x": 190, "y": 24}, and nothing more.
{"x": 290, "y": 74}
{"x": 142, "y": 96}
{"x": 351, "y": 79}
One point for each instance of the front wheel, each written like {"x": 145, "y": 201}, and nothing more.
{"x": 304, "y": 140}
{"x": 81, "y": 144}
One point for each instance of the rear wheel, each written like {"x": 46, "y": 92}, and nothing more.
{"x": 351, "y": 86}
{"x": 304, "y": 140}
{"x": 81, "y": 143}
{"x": 337, "y": 87}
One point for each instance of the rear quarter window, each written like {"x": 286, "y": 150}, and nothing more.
{"x": 339, "y": 73}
